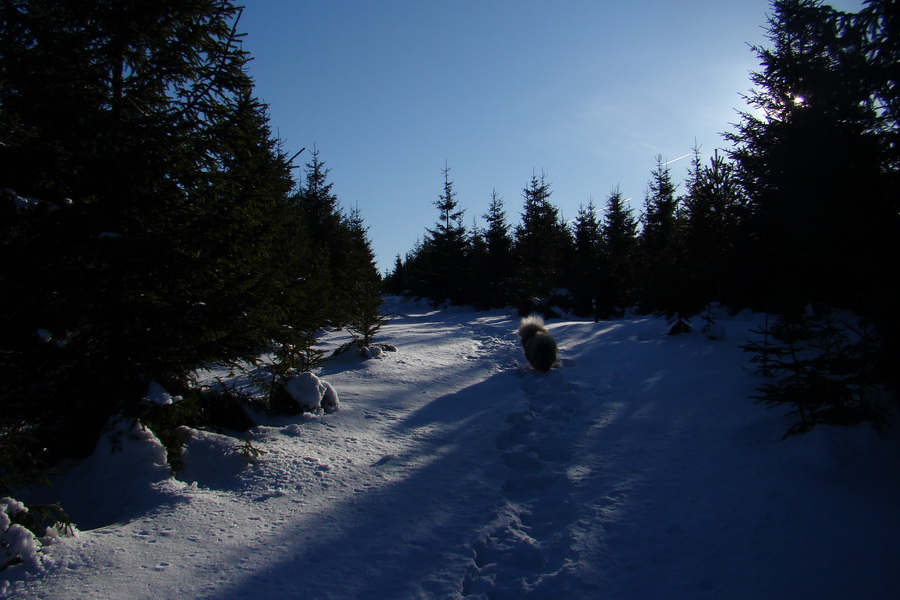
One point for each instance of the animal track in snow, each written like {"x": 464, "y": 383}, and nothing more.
{"x": 516, "y": 557}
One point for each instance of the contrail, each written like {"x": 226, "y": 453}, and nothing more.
{"x": 667, "y": 163}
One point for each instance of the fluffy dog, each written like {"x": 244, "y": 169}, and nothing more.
{"x": 540, "y": 348}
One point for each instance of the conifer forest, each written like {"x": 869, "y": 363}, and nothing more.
{"x": 151, "y": 223}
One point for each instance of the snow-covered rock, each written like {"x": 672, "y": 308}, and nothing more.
{"x": 312, "y": 394}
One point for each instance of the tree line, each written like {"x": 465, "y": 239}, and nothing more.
{"x": 150, "y": 222}
{"x": 603, "y": 262}
{"x": 799, "y": 217}
{"x": 803, "y": 208}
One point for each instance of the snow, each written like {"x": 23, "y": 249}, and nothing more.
{"x": 16, "y": 542}
{"x": 313, "y": 394}
{"x": 637, "y": 469}
{"x": 157, "y": 395}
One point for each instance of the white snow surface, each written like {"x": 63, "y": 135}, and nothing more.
{"x": 637, "y": 469}
{"x": 313, "y": 394}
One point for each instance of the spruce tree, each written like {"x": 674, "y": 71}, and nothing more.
{"x": 543, "y": 245}
{"x": 879, "y": 27}
{"x": 480, "y": 274}
{"x": 810, "y": 151}
{"x": 588, "y": 281}
{"x": 619, "y": 248}
{"x": 818, "y": 158}
{"x": 499, "y": 258}
{"x": 363, "y": 283}
{"x": 317, "y": 202}
{"x": 331, "y": 238}
{"x": 714, "y": 209}
{"x": 445, "y": 249}
{"x": 395, "y": 281}
{"x": 663, "y": 289}
{"x": 152, "y": 251}
{"x": 416, "y": 273}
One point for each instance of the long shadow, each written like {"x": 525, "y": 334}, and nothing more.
{"x": 391, "y": 542}
{"x": 511, "y": 442}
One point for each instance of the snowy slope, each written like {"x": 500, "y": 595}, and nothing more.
{"x": 637, "y": 469}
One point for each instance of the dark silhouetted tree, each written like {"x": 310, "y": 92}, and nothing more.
{"x": 812, "y": 149}
{"x": 714, "y": 209}
{"x": 619, "y": 249}
{"x": 499, "y": 259}
{"x": 661, "y": 285}
{"x": 543, "y": 244}
{"x": 163, "y": 193}
{"x": 445, "y": 249}
{"x": 588, "y": 270}
{"x": 818, "y": 158}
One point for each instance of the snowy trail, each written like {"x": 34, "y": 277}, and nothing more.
{"x": 638, "y": 469}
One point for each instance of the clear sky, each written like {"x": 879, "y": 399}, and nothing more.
{"x": 588, "y": 92}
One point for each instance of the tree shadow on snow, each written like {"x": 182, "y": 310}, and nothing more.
{"x": 413, "y": 534}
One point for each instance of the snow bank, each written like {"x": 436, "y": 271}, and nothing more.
{"x": 125, "y": 476}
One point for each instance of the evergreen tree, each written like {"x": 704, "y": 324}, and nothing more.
{"x": 822, "y": 366}
{"x": 588, "y": 281}
{"x": 317, "y": 202}
{"x": 713, "y": 211}
{"x": 480, "y": 275}
{"x": 660, "y": 223}
{"x": 498, "y": 255}
{"x": 879, "y": 27}
{"x": 819, "y": 160}
{"x": 878, "y": 19}
{"x": 363, "y": 282}
{"x": 445, "y": 249}
{"x": 416, "y": 271}
{"x": 619, "y": 248}
{"x": 813, "y": 149}
{"x": 163, "y": 259}
{"x": 662, "y": 288}
{"x": 331, "y": 237}
{"x": 395, "y": 281}
{"x": 543, "y": 244}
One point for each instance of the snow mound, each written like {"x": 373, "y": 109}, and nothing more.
{"x": 17, "y": 544}
{"x": 313, "y": 394}
{"x": 125, "y": 476}
{"x": 373, "y": 352}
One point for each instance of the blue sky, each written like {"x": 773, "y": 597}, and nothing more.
{"x": 588, "y": 92}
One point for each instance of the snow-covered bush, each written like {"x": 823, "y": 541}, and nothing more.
{"x": 312, "y": 394}
{"x": 165, "y": 413}
{"x": 17, "y": 544}
{"x": 20, "y": 530}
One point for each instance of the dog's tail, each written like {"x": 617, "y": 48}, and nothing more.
{"x": 529, "y": 327}
{"x": 540, "y": 347}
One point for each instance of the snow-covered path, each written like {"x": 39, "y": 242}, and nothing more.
{"x": 638, "y": 469}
